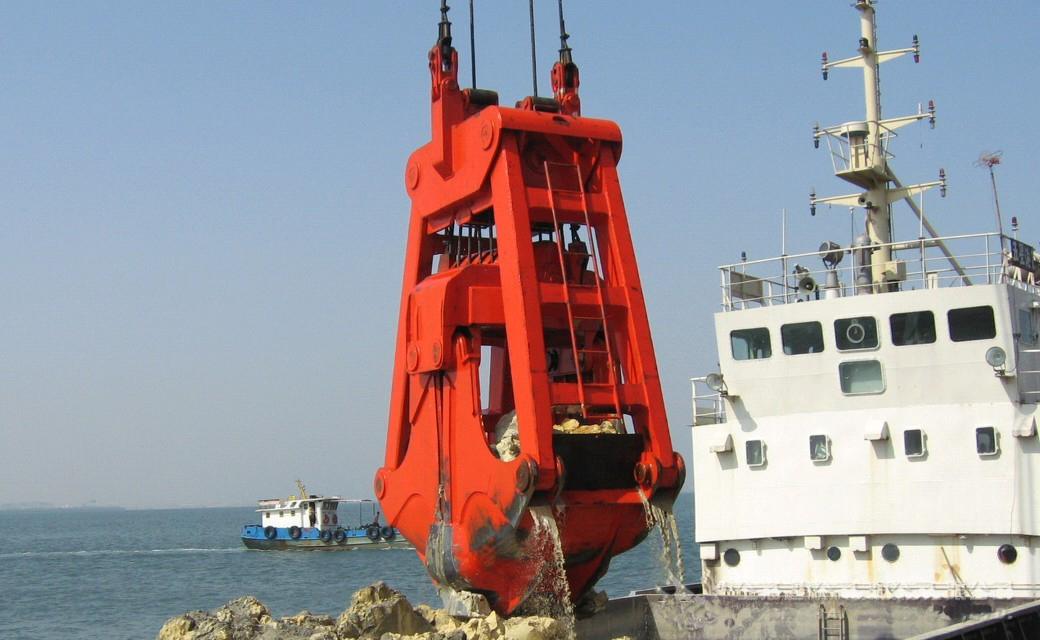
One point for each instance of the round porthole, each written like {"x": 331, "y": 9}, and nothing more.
{"x": 834, "y": 553}
{"x": 1007, "y": 553}
{"x": 731, "y": 557}
{"x": 890, "y": 552}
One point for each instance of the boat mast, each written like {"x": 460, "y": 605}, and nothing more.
{"x": 862, "y": 148}
{"x": 879, "y": 216}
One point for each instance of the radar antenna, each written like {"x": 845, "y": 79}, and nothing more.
{"x": 989, "y": 159}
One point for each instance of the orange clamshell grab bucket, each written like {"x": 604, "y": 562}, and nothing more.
{"x": 521, "y": 306}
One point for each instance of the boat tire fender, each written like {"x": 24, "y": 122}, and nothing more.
{"x": 388, "y": 533}
{"x": 294, "y": 532}
{"x": 372, "y": 532}
{"x": 270, "y": 532}
{"x": 325, "y": 535}
{"x": 339, "y": 536}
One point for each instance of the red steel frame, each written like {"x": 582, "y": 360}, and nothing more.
{"x": 494, "y": 301}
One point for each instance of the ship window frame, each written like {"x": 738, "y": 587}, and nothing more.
{"x": 844, "y": 381}
{"x": 898, "y": 336}
{"x": 966, "y": 324}
{"x": 807, "y": 337}
{"x": 755, "y": 450}
{"x": 748, "y": 335}
{"x": 920, "y": 449}
{"x": 842, "y": 337}
{"x": 994, "y": 441}
{"x": 819, "y": 448}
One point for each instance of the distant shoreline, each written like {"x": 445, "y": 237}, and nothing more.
{"x": 14, "y": 507}
{"x": 6, "y": 508}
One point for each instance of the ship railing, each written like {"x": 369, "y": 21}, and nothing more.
{"x": 925, "y": 263}
{"x": 708, "y": 407}
{"x": 849, "y": 149}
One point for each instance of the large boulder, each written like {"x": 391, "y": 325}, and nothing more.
{"x": 378, "y": 609}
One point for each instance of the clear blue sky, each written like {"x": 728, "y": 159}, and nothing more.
{"x": 202, "y": 211}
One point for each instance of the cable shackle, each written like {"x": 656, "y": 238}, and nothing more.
{"x": 565, "y": 50}
{"x": 444, "y": 37}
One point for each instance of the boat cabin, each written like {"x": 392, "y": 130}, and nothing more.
{"x": 314, "y": 511}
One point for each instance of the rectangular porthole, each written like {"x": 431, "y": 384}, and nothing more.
{"x": 913, "y": 443}
{"x": 819, "y": 448}
{"x": 917, "y": 327}
{"x": 861, "y": 377}
{"x": 971, "y": 323}
{"x": 856, "y": 333}
{"x": 750, "y": 344}
{"x": 802, "y": 337}
{"x": 755, "y": 453}
{"x": 986, "y": 441}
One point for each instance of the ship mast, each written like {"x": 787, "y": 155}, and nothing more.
{"x": 862, "y": 151}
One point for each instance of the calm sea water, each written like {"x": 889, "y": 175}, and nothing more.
{"x": 121, "y": 574}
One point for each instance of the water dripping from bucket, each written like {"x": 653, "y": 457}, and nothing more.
{"x": 552, "y": 594}
{"x": 667, "y": 550}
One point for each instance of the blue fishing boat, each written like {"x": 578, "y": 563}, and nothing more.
{"x": 312, "y": 522}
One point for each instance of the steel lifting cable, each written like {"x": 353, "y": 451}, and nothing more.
{"x": 472, "y": 48}
{"x": 534, "y": 61}
{"x": 565, "y": 50}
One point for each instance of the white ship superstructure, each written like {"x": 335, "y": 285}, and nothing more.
{"x": 872, "y": 431}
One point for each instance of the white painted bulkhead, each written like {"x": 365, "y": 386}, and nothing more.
{"x": 805, "y": 525}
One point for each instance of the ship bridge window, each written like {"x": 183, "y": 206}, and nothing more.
{"x": 859, "y": 377}
{"x": 802, "y": 337}
{"x": 750, "y": 344}
{"x": 855, "y": 333}
{"x": 971, "y": 323}
{"x": 916, "y": 327}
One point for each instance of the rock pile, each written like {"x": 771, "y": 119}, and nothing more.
{"x": 573, "y": 426}
{"x": 376, "y": 612}
{"x": 506, "y": 445}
